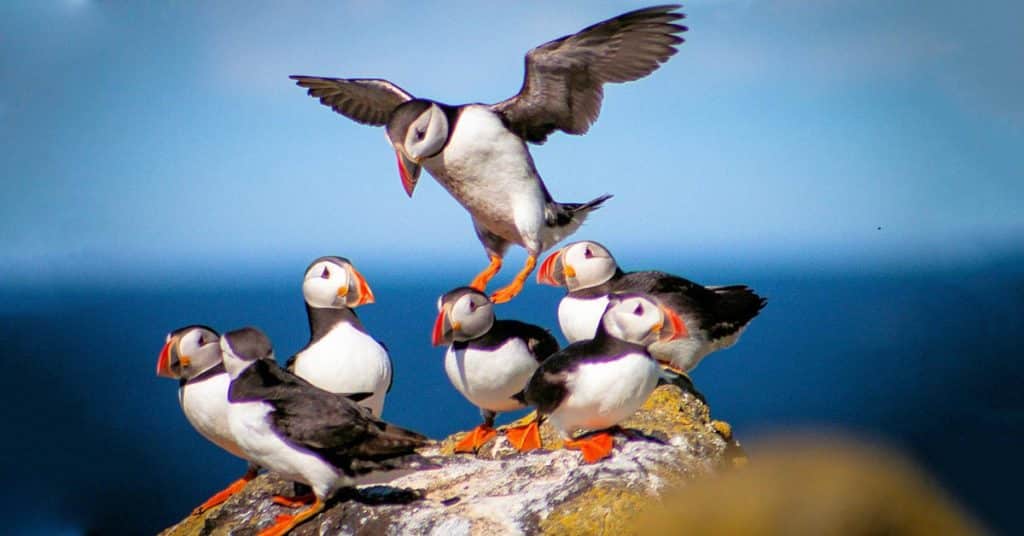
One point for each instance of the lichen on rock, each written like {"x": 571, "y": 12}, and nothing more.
{"x": 501, "y": 491}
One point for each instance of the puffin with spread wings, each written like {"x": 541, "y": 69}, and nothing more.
{"x": 478, "y": 152}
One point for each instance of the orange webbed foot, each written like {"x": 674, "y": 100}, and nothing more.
{"x": 525, "y": 438}
{"x": 480, "y": 281}
{"x": 285, "y": 523}
{"x": 594, "y": 447}
{"x": 516, "y": 286}
{"x": 294, "y": 502}
{"x": 225, "y": 493}
{"x": 475, "y": 439}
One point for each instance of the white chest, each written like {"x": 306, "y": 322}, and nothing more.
{"x": 604, "y": 394}
{"x": 489, "y": 378}
{"x": 347, "y": 360}
{"x": 578, "y": 317}
{"x": 205, "y": 404}
{"x": 489, "y": 171}
{"x": 250, "y": 424}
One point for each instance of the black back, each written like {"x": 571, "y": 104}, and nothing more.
{"x": 328, "y": 424}
{"x": 539, "y": 340}
{"x": 720, "y": 311}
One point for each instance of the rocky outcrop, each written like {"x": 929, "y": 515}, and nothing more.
{"x": 501, "y": 491}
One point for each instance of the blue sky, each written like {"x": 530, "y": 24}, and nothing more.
{"x": 144, "y": 138}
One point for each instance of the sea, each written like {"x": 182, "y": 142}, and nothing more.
{"x": 927, "y": 361}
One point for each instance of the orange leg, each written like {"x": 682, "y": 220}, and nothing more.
{"x": 226, "y": 493}
{"x": 295, "y": 502}
{"x": 505, "y": 294}
{"x": 285, "y": 523}
{"x": 594, "y": 446}
{"x": 525, "y": 438}
{"x": 475, "y": 438}
{"x": 484, "y": 277}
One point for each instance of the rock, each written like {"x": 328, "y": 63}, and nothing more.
{"x": 501, "y": 491}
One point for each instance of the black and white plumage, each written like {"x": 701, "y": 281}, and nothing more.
{"x": 341, "y": 357}
{"x": 598, "y": 383}
{"x": 478, "y": 152}
{"x": 714, "y": 317}
{"x": 487, "y": 360}
{"x": 301, "y": 432}
{"x": 192, "y": 356}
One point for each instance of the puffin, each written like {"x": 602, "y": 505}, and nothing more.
{"x": 301, "y": 432}
{"x": 489, "y": 361}
{"x": 191, "y": 355}
{"x": 341, "y": 357}
{"x": 598, "y": 383}
{"x": 478, "y": 152}
{"x": 713, "y": 317}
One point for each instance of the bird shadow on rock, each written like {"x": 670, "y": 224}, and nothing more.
{"x": 378, "y": 495}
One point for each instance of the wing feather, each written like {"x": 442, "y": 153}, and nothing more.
{"x": 369, "y": 101}
{"x": 562, "y": 87}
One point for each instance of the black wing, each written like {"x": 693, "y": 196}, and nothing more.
{"x": 321, "y": 421}
{"x": 539, "y": 340}
{"x": 364, "y": 100}
{"x": 720, "y": 311}
{"x": 562, "y": 87}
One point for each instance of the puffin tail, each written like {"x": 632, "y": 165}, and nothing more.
{"x": 564, "y": 218}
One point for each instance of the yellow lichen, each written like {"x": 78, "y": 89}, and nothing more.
{"x": 606, "y": 508}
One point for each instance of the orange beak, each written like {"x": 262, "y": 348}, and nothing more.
{"x": 676, "y": 327}
{"x": 437, "y": 336}
{"x": 550, "y": 270}
{"x": 409, "y": 171}
{"x": 365, "y": 294}
{"x": 163, "y": 363}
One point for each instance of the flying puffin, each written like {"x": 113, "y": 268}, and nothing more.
{"x": 301, "y": 432}
{"x": 341, "y": 357}
{"x": 598, "y": 383}
{"x": 713, "y": 317}
{"x": 192, "y": 355}
{"x": 489, "y": 361}
{"x": 478, "y": 152}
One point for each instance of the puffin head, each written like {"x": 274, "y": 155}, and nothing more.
{"x": 188, "y": 351}
{"x": 333, "y": 283}
{"x": 462, "y": 314}
{"x": 243, "y": 347}
{"x": 417, "y": 129}
{"x": 578, "y": 265}
{"x": 640, "y": 319}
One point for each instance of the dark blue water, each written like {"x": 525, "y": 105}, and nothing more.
{"x": 95, "y": 442}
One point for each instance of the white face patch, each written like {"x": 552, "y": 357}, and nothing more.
{"x": 633, "y": 320}
{"x": 322, "y": 284}
{"x": 427, "y": 134}
{"x": 475, "y": 315}
{"x": 591, "y": 263}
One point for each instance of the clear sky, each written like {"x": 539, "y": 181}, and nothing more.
{"x": 139, "y": 138}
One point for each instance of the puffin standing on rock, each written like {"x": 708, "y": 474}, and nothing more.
{"x": 598, "y": 383}
{"x": 713, "y": 317}
{"x": 478, "y": 152}
{"x": 341, "y": 357}
{"x": 489, "y": 361}
{"x": 301, "y": 432}
{"x": 192, "y": 355}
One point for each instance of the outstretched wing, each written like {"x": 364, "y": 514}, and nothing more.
{"x": 562, "y": 88}
{"x": 365, "y": 100}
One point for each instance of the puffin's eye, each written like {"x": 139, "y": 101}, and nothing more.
{"x": 200, "y": 341}
{"x": 325, "y": 274}
{"x": 639, "y": 311}
{"x": 472, "y": 306}
{"x": 587, "y": 253}
{"x": 420, "y": 134}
